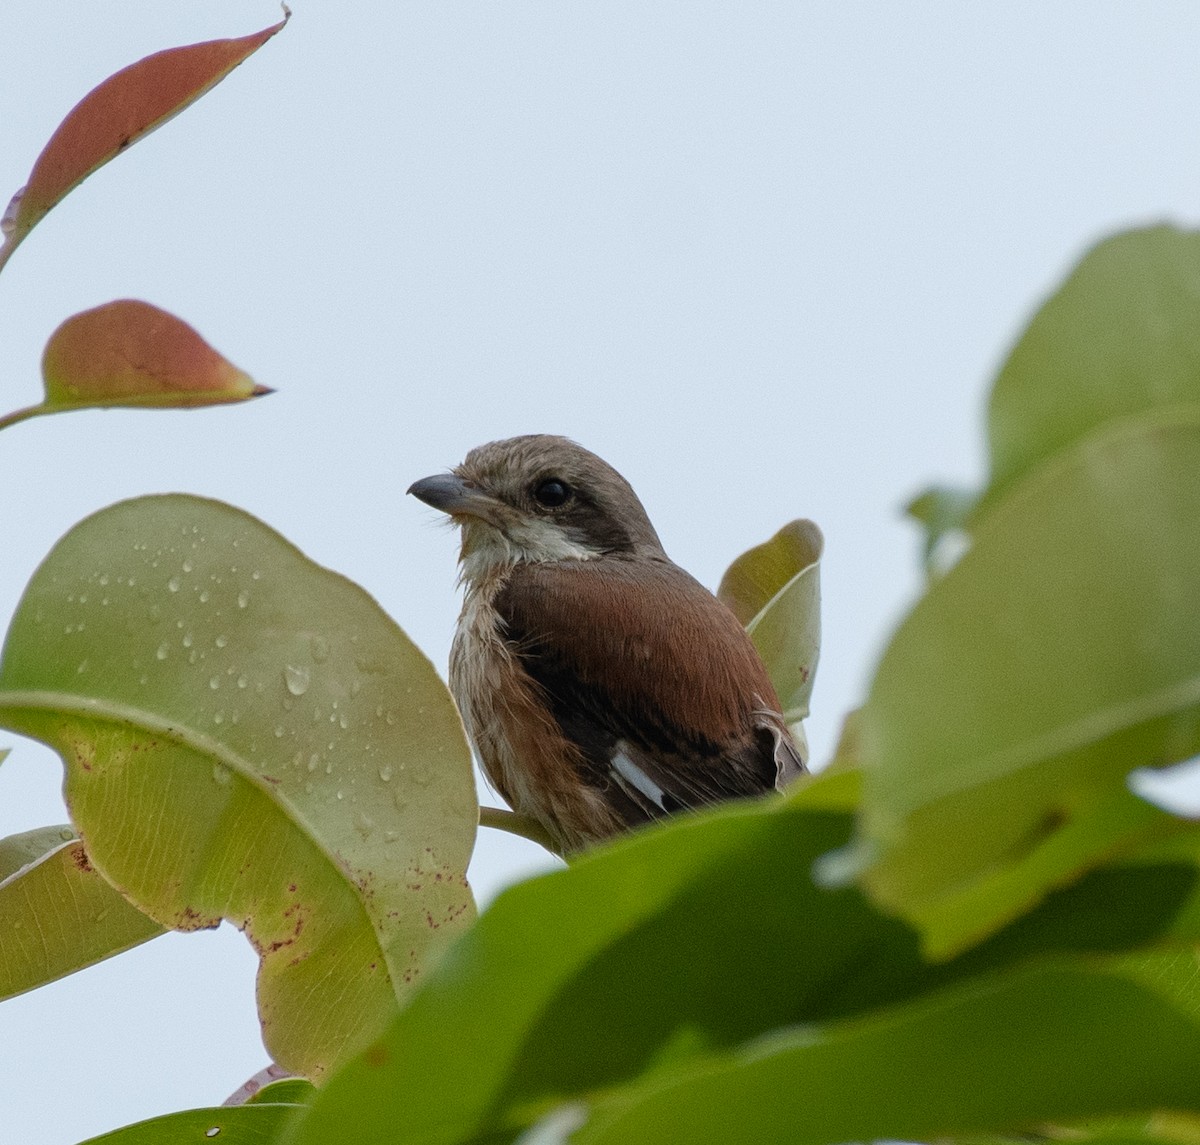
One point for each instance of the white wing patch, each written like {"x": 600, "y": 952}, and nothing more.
{"x": 630, "y": 775}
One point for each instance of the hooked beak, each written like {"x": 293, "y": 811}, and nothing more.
{"x": 451, "y": 494}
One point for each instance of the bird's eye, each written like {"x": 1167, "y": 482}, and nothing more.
{"x": 552, "y": 493}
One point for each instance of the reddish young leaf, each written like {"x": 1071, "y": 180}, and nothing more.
{"x": 112, "y": 116}
{"x": 129, "y": 353}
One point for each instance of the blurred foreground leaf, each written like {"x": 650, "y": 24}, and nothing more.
{"x": 1048, "y": 1045}
{"x": 1063, "y": 651}
{"x": 1119, "y": 338}
{"x": 247, "y": 735}
{"x": 57, "y": 914}
{"x": 679, "y": 949}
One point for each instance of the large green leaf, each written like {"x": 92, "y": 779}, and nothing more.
{"x": 247, "y": 735}
{"x": 57, "y": 914}
{"x": 1061, "y": 652}
{"x": 1120, "y": 337}
{"x": 1048, "y": 1045}
{"x": 647, "y": 958}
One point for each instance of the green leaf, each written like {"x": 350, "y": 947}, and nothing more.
{"x": 1060, "y": 653}
{"x": 17, "y": 851}
{"x": 943, "y": 511}
{"x": 57, "y": 913}
{"x": 774, "y": 590}
{"x": 1054, "y": 1044}
{"x": 286, "y": 1091}
{"x": 1121, "y": 337}
{"x": 247, "y": 735}
{"x": 682, "y": 942}
{"x": 225, "y": 1125}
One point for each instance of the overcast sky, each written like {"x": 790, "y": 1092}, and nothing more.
{"x": 763, "y": 257}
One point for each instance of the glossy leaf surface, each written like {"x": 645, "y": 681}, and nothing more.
{"x": 248, "y": 736}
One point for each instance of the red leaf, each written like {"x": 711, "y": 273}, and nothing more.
{"x": 129, "y": 353}
{"x": 117, "y": 113}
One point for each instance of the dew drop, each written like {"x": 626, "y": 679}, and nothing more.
{"x": 279, "y": 731}
{"x": 363, "y": 824}
{"x": 243, "y": 599}
{"x": 188, "y": 640}
{"x": 385, "y": 773}
{"x": 242, "y": 682}
{"x": 329, "y": 767}
{"x": 103, "y": 579}
{"x": 188, "y": 566}
{"x": 221, "y": 641}
{"x": 340, "y": 795}
{"x": 313, "y": 761}
{"x": 214, "y": 682}
{"x": 296, "y": 679}
{"x": 173, "y": 584}
{"x": 215, "y": 1131}
{"x": 220, "y": 774}
{"x": 343, "y": 721}
{"x": 320, "y": 649}
{"x": 83, "y": 667}
{"x": 204, "y": 595}
{"x": 219, "y": 718}
{"x": 161, "y": 652}
{"x": 391, "y": 717}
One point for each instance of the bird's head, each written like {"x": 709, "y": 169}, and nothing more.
{"x": 538, "y": 498}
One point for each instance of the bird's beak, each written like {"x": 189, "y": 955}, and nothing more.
{"x": 451, "y": 494}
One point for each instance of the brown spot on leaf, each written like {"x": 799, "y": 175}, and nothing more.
{"x": 80, "y": 858}
{"x": 376, "y": 1055}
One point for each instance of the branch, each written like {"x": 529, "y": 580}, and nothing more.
{"x": 515, "y": 824}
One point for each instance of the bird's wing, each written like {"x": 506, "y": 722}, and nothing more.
{"x": 651, "y": 677}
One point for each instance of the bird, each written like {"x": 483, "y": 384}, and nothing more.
{"x": 601, "y": 686}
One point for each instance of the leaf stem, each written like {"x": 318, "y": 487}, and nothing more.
{"x": 23, "y": 414}
{"x": 515, "y": 824}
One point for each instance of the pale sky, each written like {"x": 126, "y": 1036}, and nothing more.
{"x": 762, "y": 257}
